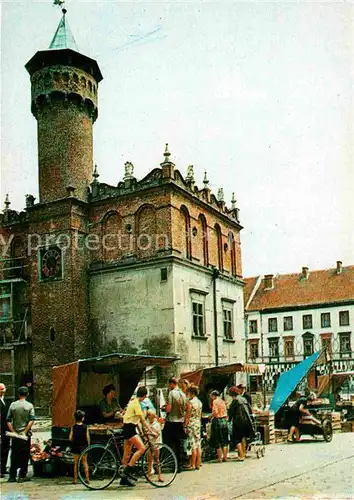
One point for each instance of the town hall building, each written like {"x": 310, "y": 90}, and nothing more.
{"x": 150, "y": 264}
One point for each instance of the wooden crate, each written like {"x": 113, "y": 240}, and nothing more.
{"x": 347, "y": 426}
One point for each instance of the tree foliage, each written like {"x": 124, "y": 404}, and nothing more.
{"x": 157, "y": 345}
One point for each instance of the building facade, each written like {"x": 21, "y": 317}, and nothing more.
{"x": 150, "y": 265}
{"x": 289, "y": 317}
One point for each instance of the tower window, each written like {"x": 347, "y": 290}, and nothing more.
{"x": 52, "y": 335}
{"x": 164, "y": 274}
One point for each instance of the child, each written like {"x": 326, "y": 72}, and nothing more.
{"x": 155, "y": 438}
{"x": 80, "y": 439}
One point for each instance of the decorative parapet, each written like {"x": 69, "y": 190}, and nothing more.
{"x": 160, "y": 176}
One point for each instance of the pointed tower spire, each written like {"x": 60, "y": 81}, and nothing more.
{"x": 7, "y": 203}
{"x": 95, "y": 174}
{"x": 166, "y": 154}
{"x": 233, "y": 201}
{"x": 206, "y": 181}
{"x": 63, "y": 38}
{"x": 167, "y": 165}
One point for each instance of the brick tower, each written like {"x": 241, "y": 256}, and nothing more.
{"x": 64, "y": 102}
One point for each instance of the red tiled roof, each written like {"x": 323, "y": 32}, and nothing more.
{"x": 292, "y": 290}
{"x": 248, "y": 288}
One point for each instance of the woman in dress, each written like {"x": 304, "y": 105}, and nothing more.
{"x": 219, "y": 428}
{"x": 192, "y": 426}
{"x": 239, "y": 414}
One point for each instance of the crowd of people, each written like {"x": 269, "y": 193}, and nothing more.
{"x": 180, "y": 427}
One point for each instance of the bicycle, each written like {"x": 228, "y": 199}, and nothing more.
{"x": 104, "y": 463}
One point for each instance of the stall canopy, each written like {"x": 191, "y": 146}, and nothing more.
{"x": 195, "y": 377}
{"x": 335, "y": 380}
{"x": 289, "y": 380}
{"x": 82, "y": 381}
{"x": 217, "y": 378}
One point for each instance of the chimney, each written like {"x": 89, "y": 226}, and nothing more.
{"x": 305, "y": 273}
{"x": 268, "y": 281}
{"x": 339, "y": 267}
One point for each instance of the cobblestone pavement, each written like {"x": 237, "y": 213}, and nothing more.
{"x": 305, "y": 470}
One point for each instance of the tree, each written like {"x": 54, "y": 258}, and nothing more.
{"x": 157, "y": 345}
{"x": 126, "y": 346}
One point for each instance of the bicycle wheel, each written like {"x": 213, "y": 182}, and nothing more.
{"x": 102, "y": 467}
{"x": 159, "y": 464}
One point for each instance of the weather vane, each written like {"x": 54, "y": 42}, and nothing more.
{"x": 59, "y": 3}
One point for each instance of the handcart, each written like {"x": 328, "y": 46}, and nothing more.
{"x": 280, "y": 404}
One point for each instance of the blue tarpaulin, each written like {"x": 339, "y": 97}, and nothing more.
{"x": 289, "y": 380}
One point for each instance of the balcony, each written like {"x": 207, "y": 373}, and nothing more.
{"x": 14, "y": 331}
{"x": 13, "y": 268}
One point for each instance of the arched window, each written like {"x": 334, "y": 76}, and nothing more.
{"x": 17, "y": 248}
{"x": 111, "y": 236}
{"x": 146, "y": 231}
{"x": 187, "y": 229}
{"x": 205, "y": 239}
{"x": 232, "y": 244}
{"x": 219, "y": 244}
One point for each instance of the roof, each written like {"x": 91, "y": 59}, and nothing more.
{"x": 294, "y": 291}
{"x": 63, "y": 38}
{"x": 63, "y": 51}
{"x": 126, "y": 362}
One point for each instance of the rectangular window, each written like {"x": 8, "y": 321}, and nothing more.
{"x": 254, "y": 350}
{"x": 198, "y": 319}
{"x": 288, "y": 323}
{"x": 307, "y": 321}
{"x": 253, "y": 326}
{"x": 308, "y": 345}
{"x": 272, "y": 325}
{"x": 344, "y": 318}
{"x": 325, "y": 320}
{"x": 273, "y": 348}
{"x": 227, "y": 322}
{"x": 289, "y": 348}
{"x": 345, "y": 343}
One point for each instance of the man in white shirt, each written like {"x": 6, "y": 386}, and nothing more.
{"x": 20, "y": 418}
{"x": 173, "y": 433}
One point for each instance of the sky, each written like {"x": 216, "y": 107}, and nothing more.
{"x": 258, "y": 94}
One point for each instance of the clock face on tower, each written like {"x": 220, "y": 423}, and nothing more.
{"x": 50, "y": 263}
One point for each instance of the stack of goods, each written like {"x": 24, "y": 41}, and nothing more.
{"x": 347, "y": 426}
{"x": 281, "y": 435}
{"x": 104, "y": 428}
{"x": 44, "y": 460}
{"x": 336, "y": 420}
{"x": 265, "y": 423}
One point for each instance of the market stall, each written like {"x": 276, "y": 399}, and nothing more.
{"x": 331, "y": 387}
{"x": 78, "y": 385}
{"x": 218, "y": 378}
